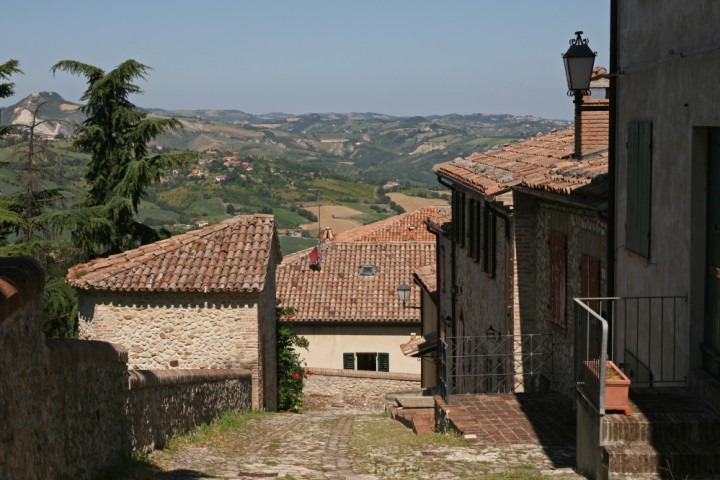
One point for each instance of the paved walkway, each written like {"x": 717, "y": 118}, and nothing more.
{"x": 352, "y": 446}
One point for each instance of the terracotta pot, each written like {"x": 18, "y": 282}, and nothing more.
{"x": 617, "y": 387}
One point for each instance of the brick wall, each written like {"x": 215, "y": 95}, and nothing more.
{"x": 67, "y": 408}
{"x": 331, "y": 388}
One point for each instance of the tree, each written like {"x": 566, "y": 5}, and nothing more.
{"x": 33, "y": 200}
{"x": 7, "y": 89}
{"x": 116, "y": 134}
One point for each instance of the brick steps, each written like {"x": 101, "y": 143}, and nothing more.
{"x": 671, "y": 433}
{"x": 671, "y": 459}
{"x": 420, "y": 420}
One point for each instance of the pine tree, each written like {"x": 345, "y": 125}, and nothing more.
{"x": 116, "y": 134}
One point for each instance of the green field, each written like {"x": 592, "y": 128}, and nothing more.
{"x": 290, "y": 245}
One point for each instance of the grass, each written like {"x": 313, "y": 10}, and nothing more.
{"x": 381, "y": 447}
{"x": 218, "y": 434}
{"x": 293, "y": 244}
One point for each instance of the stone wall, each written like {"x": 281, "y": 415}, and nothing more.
{"x": 356, "y": 389}
{"x": 161, "y": 403}
{"x": 187, "y": 331}
{"x": 68, "y": 408}
{"x": 586, "y": 235}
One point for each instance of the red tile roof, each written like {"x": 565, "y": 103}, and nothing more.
{"x": 426, "y": 277}
{"x": 338, "y": 293}
{"x": 231, "y": 256}
{"x": 544, "y": 162}
{"x": 401, "y": 228}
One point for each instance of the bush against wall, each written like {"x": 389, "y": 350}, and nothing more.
{"x": 290, "y": 369}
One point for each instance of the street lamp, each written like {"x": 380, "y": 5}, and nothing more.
{"x": 579, "y": 61}
{"x": 404, "y": 293}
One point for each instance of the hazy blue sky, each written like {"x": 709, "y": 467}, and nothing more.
{"x": 404, "y": 57}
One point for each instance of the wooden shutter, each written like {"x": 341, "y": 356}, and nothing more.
{"x": 485, "y": 239}
{"x": 639, "y": 186}
{"x": 383, "y": 361}
{"x": 590, "y": 280}
{"x": 349, "y": 361}
{"x": 477, "y": 232}
{"x": 558, "y": 277}
{"x": 462, "y": 220}
{"x": 490, "y": 254}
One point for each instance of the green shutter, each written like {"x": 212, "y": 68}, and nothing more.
{"x": 639, "y": 186}
{"x": 349, "y": 361}
{"x": 644, "y": 188}
{"x": 383, "y": 360}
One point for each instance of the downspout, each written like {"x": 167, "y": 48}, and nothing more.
{"x": 612, "y": 147}
{"x": 453, "y": 257}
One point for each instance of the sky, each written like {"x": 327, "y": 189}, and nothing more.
{"x": 399, "y": 57}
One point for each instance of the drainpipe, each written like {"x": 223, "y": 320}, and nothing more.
{"x": 612, "y": 147}
{"x": 453, "y": 260}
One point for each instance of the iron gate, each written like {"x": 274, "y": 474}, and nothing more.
{"x": 495, "y": 364}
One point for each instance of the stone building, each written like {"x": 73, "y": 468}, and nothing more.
{"x": 202, "y": 300}
{"x": 527, "y": 235}
{"x": 346, "y": 300}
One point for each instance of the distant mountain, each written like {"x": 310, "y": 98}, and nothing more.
{"x": 371, "y": 147}
{"x": 59, "y": 115}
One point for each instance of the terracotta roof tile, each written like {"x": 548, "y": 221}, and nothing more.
{"x": 231, "y": 256}
{"x": 400, "y": 228}
{"x": 544, "y": 162}
{"x": 427, "y": 277}
{"x": 338, "y": 293}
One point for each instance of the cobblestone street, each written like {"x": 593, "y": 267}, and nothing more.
{"x": 351, "y": 445}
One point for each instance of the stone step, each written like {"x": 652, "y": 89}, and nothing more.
{"x": 676, "y": 460}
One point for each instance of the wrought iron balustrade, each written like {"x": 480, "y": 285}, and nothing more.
{"x": 495, "y": 364}
{"x": 639, "y": 334}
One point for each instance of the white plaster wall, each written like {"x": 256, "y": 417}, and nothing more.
{"x": 329, "y": 342}
{"x": 669, "y": 56}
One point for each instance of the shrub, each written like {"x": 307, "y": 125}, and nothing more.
{"x": 290, "y": 369}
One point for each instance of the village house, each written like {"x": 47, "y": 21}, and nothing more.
{"x": 345, "y": 296}
{"x": 204, "y": 299}
{"x": 527, "y": 235}
{"x": 346, "y": 301}
{"x": 663, "y": 318}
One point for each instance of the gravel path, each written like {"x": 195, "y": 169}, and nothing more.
{"x": 352, "y": 446}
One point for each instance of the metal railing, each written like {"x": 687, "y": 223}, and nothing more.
{"x": 591, "y": 338}
{"x": 640, "y": 336}
{"x": 495, "y": 364}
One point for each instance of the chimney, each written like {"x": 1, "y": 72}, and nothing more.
{"x": 327, "y": 235}
{"x": 592, "y": 117}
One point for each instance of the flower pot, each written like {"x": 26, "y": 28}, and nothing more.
{"x": 617, "y": 386}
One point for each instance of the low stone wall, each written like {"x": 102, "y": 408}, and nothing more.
{"x": 82, "y": 400}
{"x": 161, "y": 403}
{"x": 70, "y": 408}
{"x": 330, "y": 388}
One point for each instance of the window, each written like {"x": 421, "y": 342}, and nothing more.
{"x": 367, "y": 271}
{"x": 558, "y": 277}
{"x": 366, "y": 361}
{"x": 639, "y": 184}
{"x": 489, "y": 225}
